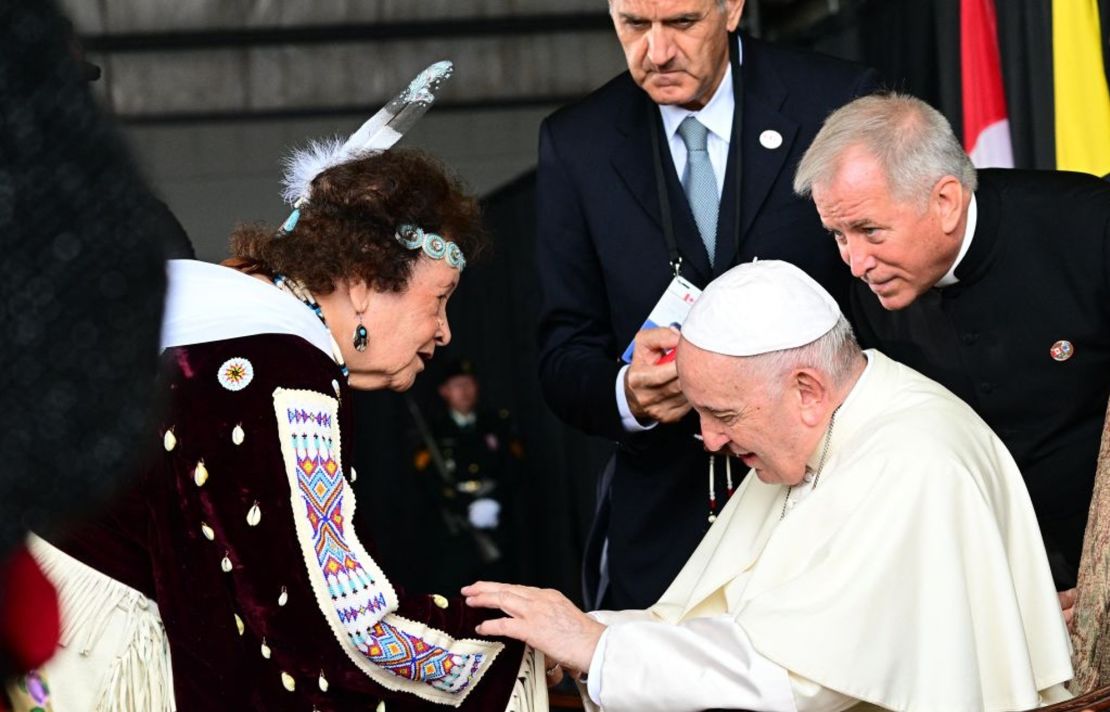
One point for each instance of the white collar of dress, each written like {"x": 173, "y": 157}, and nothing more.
{"x": 207, "y": 302}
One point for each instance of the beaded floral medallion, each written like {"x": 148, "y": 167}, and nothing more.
{"x": 235, "y": 374}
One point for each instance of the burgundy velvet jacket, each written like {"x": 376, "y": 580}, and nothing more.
{"x": 268, "y": 599}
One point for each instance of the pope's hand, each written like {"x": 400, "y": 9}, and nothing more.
{"x": 652, "y": 388}
{"x": 542, "y": 618}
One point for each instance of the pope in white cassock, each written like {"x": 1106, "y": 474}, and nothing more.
{"x": 885, "y": 555}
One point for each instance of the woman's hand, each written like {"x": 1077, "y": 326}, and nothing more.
{"x": 554, "y": 674}
{"x": 1067, "y": 603}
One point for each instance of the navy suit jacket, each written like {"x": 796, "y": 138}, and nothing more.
{"x": 603, "y": 263}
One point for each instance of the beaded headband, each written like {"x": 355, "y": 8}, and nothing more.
{"x": 435, "y": 246}
{"x": 379, "y": 133}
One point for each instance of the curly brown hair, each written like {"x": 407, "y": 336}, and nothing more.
{"x": 348, "y": 228}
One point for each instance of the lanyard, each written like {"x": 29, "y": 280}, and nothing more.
{"x": 666, "y": 218}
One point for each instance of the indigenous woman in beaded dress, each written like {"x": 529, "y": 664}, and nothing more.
{"x": 242, "y": 530}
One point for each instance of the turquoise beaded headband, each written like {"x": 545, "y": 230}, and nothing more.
{"x": 435, "y": 246}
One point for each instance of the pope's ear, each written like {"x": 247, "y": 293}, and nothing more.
{"x": 811, "y": 395}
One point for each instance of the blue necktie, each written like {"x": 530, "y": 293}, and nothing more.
{"x": 700, "y": 183}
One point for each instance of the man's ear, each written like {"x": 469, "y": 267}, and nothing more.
{"x": 811, "y": 395}
{"x": 948, "y": 200}
{"x": 734, "y": 8}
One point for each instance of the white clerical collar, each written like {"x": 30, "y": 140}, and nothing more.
{"x": 463, "y": 421}
{"x": 969, "y": 232}
{"x": 207, "y": 302}
{"x": 715, "y": 116}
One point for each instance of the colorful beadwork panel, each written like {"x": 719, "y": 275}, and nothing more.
{"x": 351, "y": 590}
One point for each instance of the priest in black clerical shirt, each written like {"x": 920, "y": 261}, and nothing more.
{"x": 996, "y": 283}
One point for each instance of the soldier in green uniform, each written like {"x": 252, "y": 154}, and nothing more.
{"x": 465, "y": 463}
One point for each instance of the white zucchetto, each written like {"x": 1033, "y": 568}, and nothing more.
{"x": 760, "y": 307}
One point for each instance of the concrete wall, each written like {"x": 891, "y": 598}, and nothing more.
{"x": 201, "y": 116}
{"x": 213, "y": 175}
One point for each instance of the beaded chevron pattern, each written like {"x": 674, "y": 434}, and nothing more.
{"x": 351, "y": 590}
{"x": 413, "y": 658}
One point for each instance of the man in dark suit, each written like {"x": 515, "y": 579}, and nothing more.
{"x": 605, "y": 257}
{"x": 996, "y": 283}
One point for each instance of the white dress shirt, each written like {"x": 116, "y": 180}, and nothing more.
{"x": 461, "y": 420}
{"x": 717, "y": 117}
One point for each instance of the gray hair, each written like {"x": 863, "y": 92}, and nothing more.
{"x": 912, "y": 142}
{"x": 835, "y": 354}
{"x": 722, "y": 5}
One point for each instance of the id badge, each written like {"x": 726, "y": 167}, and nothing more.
{"x": 671, "y": 310}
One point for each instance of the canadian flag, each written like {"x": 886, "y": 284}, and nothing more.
{"x": 986, "y": 125}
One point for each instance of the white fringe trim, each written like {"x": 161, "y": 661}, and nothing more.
{"x": 530, "y": 690}
{"x": 140, "y": 676}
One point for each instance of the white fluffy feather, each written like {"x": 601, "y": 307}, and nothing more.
{"x": 378, "y": 133}
{"x": 304, "y": 164}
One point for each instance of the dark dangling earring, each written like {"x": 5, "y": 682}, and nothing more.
{"x": 362, "y": 337}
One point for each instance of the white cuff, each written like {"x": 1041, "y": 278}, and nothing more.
{"x": 593, "y": 679}
{"x": 631, "y": 425}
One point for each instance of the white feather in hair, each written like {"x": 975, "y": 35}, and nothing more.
{"x": 380, "y": 132}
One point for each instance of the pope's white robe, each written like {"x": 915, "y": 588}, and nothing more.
{"x": 912, "y": 578}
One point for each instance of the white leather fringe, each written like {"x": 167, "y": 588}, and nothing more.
{"x": 530, "y": 691}
{"x": 114, "y": 655}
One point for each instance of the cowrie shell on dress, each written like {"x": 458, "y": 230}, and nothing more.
{"x": 439, "y": 601}
{"x": 323, "y": 682}
{"x": 200, "y": 474}
{"x": 288, "y": 682}
{"x": 237, "y": 435}
{"x": 207, "y": 531}
{"x": 239, "y": 624}
{"x": 354, "y": 475}
{"x": 265, "y": 649}
{"x": 254, "y": 516}
{"x": 284, "y": 597}
{"x": 225, "y": 564}
{"x": 380, "y": 707}
{"x": 169, "y": 441}
{"x": 770, "y": 139}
